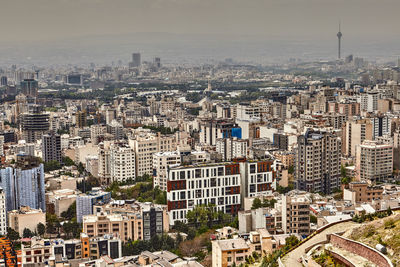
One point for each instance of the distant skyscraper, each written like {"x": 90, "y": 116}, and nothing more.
{"x": 157, "y": 62}
{"x": 29, "y": 87}
{"x": 51, "y": 147}
{"x": 339, "y": 36}
{"x": 3, "y": 81}
{"x": 136, "y": 60}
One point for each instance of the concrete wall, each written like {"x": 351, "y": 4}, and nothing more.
{"x": 360, "y": 249}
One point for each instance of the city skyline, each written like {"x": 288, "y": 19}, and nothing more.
{"x": 84, "y": 31}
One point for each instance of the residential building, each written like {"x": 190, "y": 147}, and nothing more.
{"x": 289, "y": 215}
{"x": 229, "y": 252}
{"x": 374, "y": 161}
{"x": 317, "y": 166}
{"x": 231, "y": 148}
{"x": 34, "y": 124}
{"x": 129, "y": 219}
{"x": 211, "y": 130}
{"x": 23, "y": 184}
{"x": 37, "y": 250}
{"x": 86, "y": 202}
{"x": 116, "y": 129}
{"x": 27, "y": 218}
{"x": 257, "y": 178}
{"x": 161, "y": 162}
{"x": 368, "y": 101}
{"x": 361, "y": 192}
{"x": 189, "y": 186}
{"x": 122, "y": 162}
{"x": 354, "y": 133}
{"x": 80, "y": 119}
{"x": 60, "y": 200}
{"x": 51, "y": 148}
{"x": 104, "y": 168}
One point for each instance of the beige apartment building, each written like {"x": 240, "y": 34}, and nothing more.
{"x": 360, "y": 192}
{"x": 290, "y": 215}
{"x": 374, "y": 161}
{"x": 354, "y": 134}
{"x": 161, "y": 162}
{"x": 234, "y": 251}
{"x": 145, "y": 144}
{"x": 127, "y": 219}
{"x": 127, "y": 227}
{"x": 26, "y": 217}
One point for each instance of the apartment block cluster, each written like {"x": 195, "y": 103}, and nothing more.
{"x": 201, "y": 147}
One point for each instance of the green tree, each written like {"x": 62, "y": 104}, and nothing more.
{"x": 70, "y": 213}
{"x": 68, "y": 161}
{"x": 291, "y": 169}
{"x": 256, "y": 204}
{"x": 41, "y": 229}
{"x": 313, "y": 219}
{"x": 52, "y": 165}
{"x": 27, "y": 233}
{"x": 343, "y": 171}
{"x": 12, "y": 234}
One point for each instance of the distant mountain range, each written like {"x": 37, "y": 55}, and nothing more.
{"x": 191, "y": 49}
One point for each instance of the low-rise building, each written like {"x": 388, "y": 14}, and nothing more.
{"x": 127, "y": 219}
{"x": 26, "y": 217}
{"x": 362, "y": 192}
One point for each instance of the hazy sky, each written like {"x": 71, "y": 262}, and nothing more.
{"x": 22, "y": 20}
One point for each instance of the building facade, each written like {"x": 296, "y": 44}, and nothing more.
{"x": 317, "y": 166}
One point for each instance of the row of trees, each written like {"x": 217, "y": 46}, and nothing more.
{"x": 266, "y": 203}
{"x": 142, "y": 191}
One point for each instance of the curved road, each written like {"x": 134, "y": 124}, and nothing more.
{"x": 291, "y": 259}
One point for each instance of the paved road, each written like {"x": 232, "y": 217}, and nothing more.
{"x": 291, "y": 259}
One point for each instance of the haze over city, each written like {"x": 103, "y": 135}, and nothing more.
{"x": 84, "y": 31}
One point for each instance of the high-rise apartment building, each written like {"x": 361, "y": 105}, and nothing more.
{"x": 23, "y": 184}
{"x": 211, "y": 130}
{"x": 369, "y": 101}
{"x": 374, "y": 161}
{"x": 80, "y": 118}
{"x": 86, "y": 202}
{"x": 318, "y": 162}
{"x": 122, "y": 163}
{"x": 116, "y": 129}
{"x": 219, "y": 184}
{"x": 29, "y": 87}
{"x": 34, "y": 124}
{"x": 290, "y": 215}
{"x": 189, "y": 186}
{"x": 231, "y": 148}
{"x": 136, "y": 61}
{"x": 161, "y": 162}
{"x": 2, "y": 145}
{"x": 104, "y": 169}
{"x": 145, "y": 146}
{"x": 51, "y": 147}
{"x": 354, "y": 133}
{"x": 3, "y": 81}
